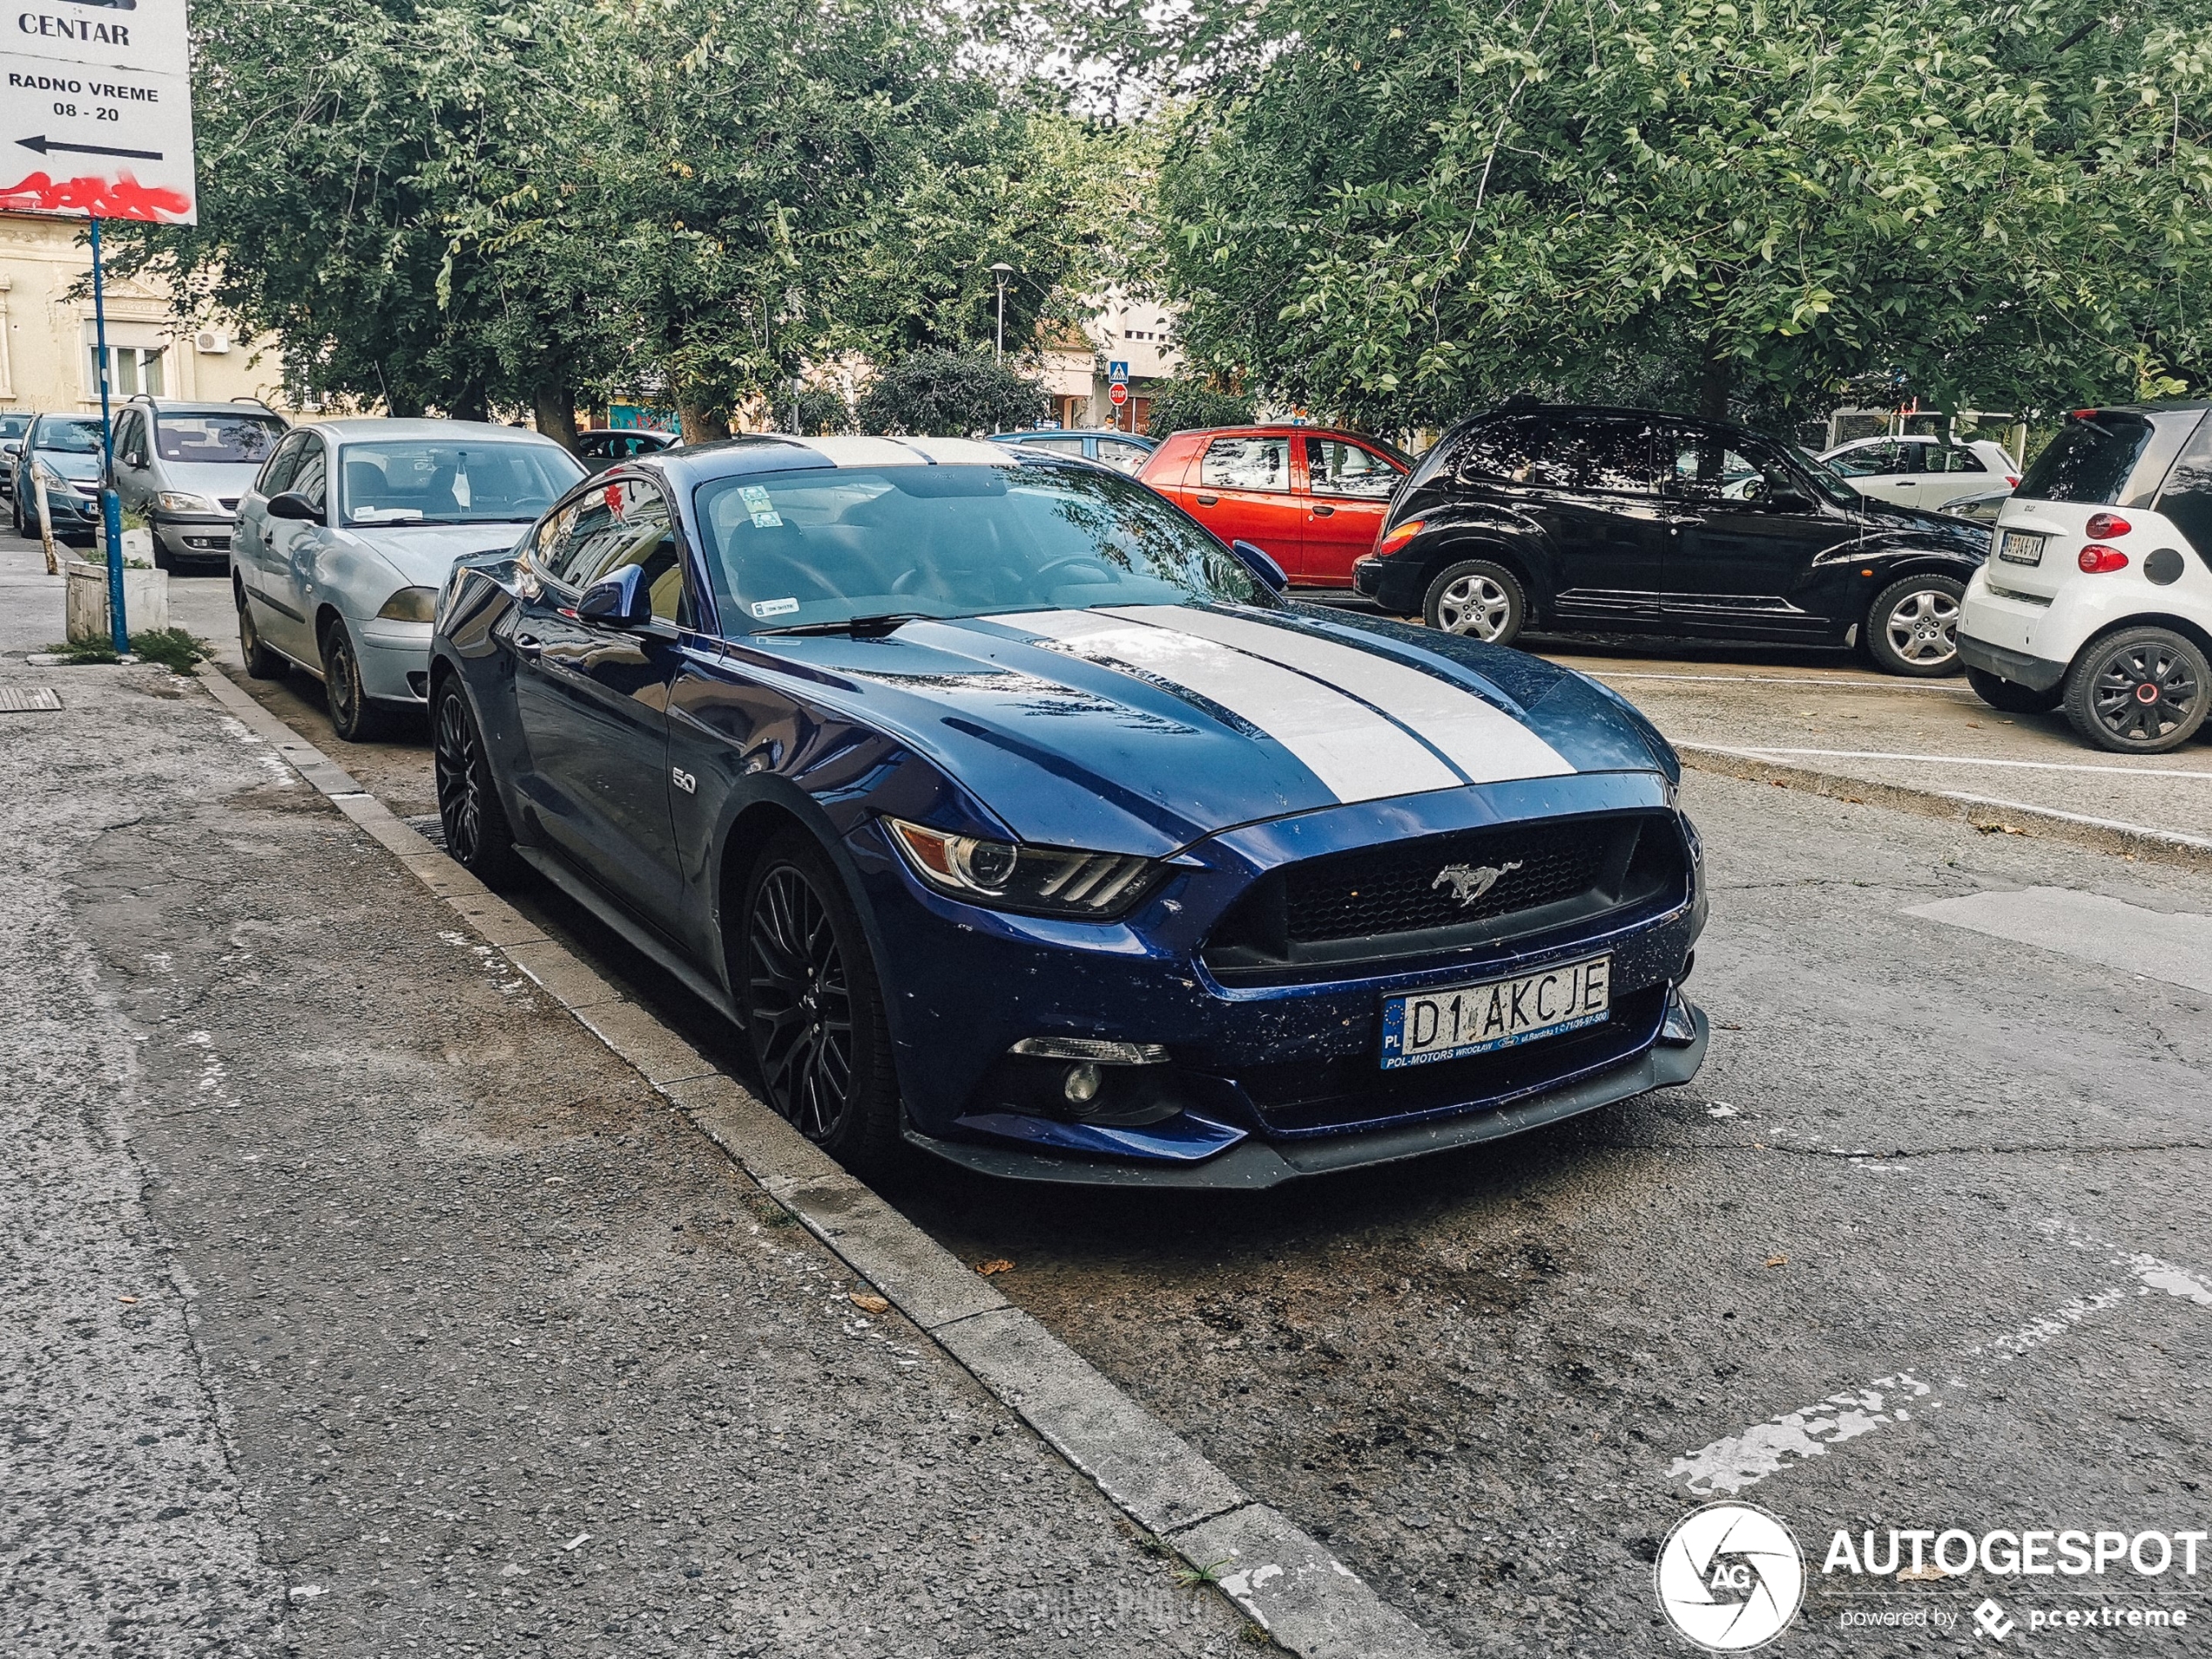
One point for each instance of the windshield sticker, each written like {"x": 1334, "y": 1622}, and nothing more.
{"x": 766, "y": 608}
{"x": 765, "y": 516}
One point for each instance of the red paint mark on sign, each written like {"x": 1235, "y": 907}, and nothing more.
{"x": 120, "y": 197}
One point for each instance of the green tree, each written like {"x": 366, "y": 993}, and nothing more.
{"x": 949, "y": 394}
{"x": 1404, "y": 213}
{"x": 1186, "y": 404}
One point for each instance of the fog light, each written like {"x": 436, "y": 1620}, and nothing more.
{"x": 1082, "y": 1085}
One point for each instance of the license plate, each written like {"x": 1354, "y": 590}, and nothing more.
{"x": 2017, "y": 547}
{"x": 1455, "y": 1021}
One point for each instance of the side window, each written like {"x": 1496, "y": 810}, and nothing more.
{"x": 276, "y": 478}
{"x": 1705, "y": 469}
{"x": 1943, "y": 457}
{"x": 1246, "y": 463}
{"x": 312, "y": 480}
{"x": 1868, "y": 460}
{"x": 128, "y": 449}
{"x": 1502, "y": 450}
{"x": 1123, "y": 457}
{"x": 1611, "y": 455}
{"x": 622, "y": 524}
{"x": 2186, "y": 499}
{"x": 1335, "y": 467}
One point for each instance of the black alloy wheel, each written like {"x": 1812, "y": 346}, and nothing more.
{"x": 811, "y": 1008}
{"x": 261, "y": 662}
{"x": 2142, "y": 690}
{"x": 478, "y": 836}
{"x": 354, "y": 714}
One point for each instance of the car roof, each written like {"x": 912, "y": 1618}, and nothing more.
{"x": 366, "y": 429}
{"x": 773, "y": 452}
{"x": 1030, "y": 434}
{"x": 213, "y": 405}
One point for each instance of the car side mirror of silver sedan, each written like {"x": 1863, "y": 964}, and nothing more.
{"x": 292, "y": 505}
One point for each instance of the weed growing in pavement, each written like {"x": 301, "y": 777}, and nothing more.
{"x": 173, "y": 647}
{"x": 1191, "y": 1576}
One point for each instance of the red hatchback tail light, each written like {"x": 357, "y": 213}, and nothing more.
{"x": 2099, "y": 560}
{"x": 2106, "y": 525}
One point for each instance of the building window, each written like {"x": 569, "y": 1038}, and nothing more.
{"x": 132, "y": 370}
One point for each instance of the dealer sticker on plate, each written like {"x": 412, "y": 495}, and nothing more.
{"x": 1456, "y": 1021}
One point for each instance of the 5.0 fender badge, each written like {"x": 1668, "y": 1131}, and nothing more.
{"x": 685, "y": 781}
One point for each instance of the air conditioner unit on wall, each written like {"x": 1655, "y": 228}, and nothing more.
{"x": 214, "y": 342}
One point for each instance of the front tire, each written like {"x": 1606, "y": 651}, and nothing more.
{"x": 1479, "y": 600}
{"x": 2010, "y": 697}
{"x": 1913, "y": 626}
{"x": 478, "y": 836}
{"x": 2142, "y": 690}
{"x": 261, "y": 662}
{"x": 353, "y": 713}
{"x": 813, "y": 1009}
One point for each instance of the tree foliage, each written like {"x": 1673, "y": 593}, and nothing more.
{"x": 1186, "y": 404}
{"x": 1401, "y": 212}
{"x": 935, "y": 393}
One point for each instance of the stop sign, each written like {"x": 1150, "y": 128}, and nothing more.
{"x": 1117, "y": 395}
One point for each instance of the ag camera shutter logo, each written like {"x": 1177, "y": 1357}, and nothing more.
{"x": 1730, "y": 1577}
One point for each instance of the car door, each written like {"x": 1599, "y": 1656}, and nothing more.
{"x": 1886, "y": 470}
{"x": 1746, "y": 532}
{"x": 1348, "y": 489}
{"x": 592, "y": 699}
{"x": 1594, "y": 485}
{"x": 298, "y": 549}
{"x": 253, "y": 555}
{"x": 1952, "y": 470}
{"x": 133, "y": 461}
{"x": 1243, "y": 493}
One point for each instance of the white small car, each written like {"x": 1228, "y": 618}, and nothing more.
{"x": 1920, "y": 469}
{"x": 2097, "y": 594}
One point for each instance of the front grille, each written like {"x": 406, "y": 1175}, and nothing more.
{"x": 1446, "y": 891}
{"x": 229, "y": 503}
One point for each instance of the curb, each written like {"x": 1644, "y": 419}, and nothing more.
{"x": 2098, "y": 834}
{"x": 1276, "y": 1573}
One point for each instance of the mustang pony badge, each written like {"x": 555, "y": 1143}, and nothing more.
{"x": 1468, "y": 884}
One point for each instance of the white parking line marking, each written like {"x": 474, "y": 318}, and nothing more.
{"x": 1966, "y": 760}
{"x": 2174, "y": 948}
{"x": 1778, "y": 679}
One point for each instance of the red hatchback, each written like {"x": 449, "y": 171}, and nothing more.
{"x": 1311, "y": 497}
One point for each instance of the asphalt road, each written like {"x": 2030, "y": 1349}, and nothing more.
{"x": 1926, "y": 1246}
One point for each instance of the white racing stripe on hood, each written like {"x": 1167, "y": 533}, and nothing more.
{"x": 1481, "y": 739}
{"x": 1357, "y": 754}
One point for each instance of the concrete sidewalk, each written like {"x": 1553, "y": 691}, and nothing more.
{"x": 358, "y": 1300}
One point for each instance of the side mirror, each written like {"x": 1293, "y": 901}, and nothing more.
{"x": 1261, "y": 564}
{"x": 292, "y": 505}
{"x": 11, "y": 446}
{"x": 1788, "y": 498}
{"x": 622, "y": 600}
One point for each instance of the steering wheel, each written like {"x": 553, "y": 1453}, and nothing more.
{"x": 1091, "y": 560}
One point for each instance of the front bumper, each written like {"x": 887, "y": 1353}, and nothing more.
{"x": 65, "y": 510}
{"x": 1271, "y": 1077}
{"x": 394, "y": 659}
{"x": 192, "y": 537}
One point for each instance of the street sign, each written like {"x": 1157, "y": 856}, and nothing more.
{"x": 1118, "y": 393}
{"x": 96, "y": 111}
{"x": 1118, "y": 373}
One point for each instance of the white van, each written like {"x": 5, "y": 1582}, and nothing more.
{"x": 2097, "y": 593}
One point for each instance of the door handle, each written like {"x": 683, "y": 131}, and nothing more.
{"x": 1208, "y": 501}
{"x": 529, "y": 647}
{"x": 1325, "y": 512}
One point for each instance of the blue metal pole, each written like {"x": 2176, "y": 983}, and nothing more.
{"x": 110, "y": 504}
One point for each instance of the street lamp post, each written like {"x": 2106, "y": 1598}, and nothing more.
{"x": 1002, "y": 270}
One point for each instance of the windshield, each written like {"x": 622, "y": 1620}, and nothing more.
{"x": 2089, "y": 460}
{"x": 223, "y": 438}
{"x": 69, "y": 437}
{"x": 1825, "y": 478}
{"x": 449, "y": 482}
{"x": 794, "y": 549}
{"x": 14, "y": 426}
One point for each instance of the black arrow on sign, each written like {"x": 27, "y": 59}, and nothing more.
{"x": 42, "y": 144}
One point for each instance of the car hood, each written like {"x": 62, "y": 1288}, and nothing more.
{"x": 1886, "y": 523}
{"x": 215, "y": 478}
{"x": 424, "y": 554}
{"x": 1143, "y": 729}
{"x": 70, "y": 464}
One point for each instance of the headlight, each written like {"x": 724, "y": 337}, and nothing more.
{"x": 47, "y": 475}
{"x": 1046, "y": 881}
{"x": 411, "y": 604}
{"x": 183, "y": 501}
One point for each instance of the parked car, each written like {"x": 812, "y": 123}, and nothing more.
{"x": 185, "y": 466}
{"x": 600, "y": 448}
{"x": 1920, "y": 469}
{"x": 2099, "y": 596}
{"x": 12, "y": 427}
{"x": 352, "y": 526}
{"x": 1582, "y": 519}
{"x": 1313, "y": 498}
{"x": 841, "y": 729}
{"x": 65, "y": 451}
{"x": 1123, "y": 451}
{"x": 1981, "y": 508}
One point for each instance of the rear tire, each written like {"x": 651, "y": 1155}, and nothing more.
{"x": 1913, "y": 626}
{"x": 2140, "y": 691}
{"x": 478, "y": 836}
{"x": 354, "y": 714}
{"x": 806, "y": 986}
{"x": 261, "y": 662}
{"x": 1477, "y": 600}
{"x": 2010, "y": 697}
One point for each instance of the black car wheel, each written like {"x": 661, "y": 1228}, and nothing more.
{"x": 478, "y": 836}
{"x": 260, "y": 661}
{"x": 2010, "y": 697}
{"x": 811, "y": 1008}
{"x": 1477, "y": 598}
{"x": 1913, "y": 626}
{"x": 353, "y": 713}
{"x": 2142, "y": 690}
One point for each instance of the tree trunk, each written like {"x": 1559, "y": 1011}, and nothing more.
{"x": 555, "y": 405}
{"x": 1714, "y": 381}
{"x": 702, "y": 423}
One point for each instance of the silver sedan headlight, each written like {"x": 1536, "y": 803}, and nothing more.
{"x": 183, "y": 501}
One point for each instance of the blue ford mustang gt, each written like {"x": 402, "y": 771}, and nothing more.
{"x": 1014, "y": 816}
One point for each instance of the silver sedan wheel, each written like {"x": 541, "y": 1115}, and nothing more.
{"x": 1474, "y": 604}
{"x": 1923, "y": 627}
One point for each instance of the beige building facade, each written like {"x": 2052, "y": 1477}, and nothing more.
{"x": 1120, "y": 330}
{"x": 47, "y": 361}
